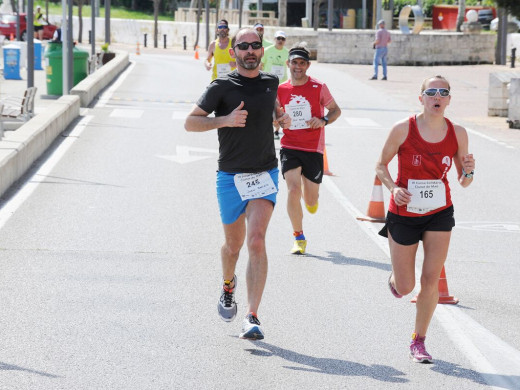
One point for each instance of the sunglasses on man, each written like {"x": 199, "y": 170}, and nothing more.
{"x": 245, "y": 45}
{"x": 443, "y": 92}
{"x": 280, "y": 38}
{"x": 222, "y": 27}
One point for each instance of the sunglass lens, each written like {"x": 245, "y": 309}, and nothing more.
{"x": 444, "y": 92}
{"x": 256, "y": 45}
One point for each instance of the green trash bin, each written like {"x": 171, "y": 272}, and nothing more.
{"x": 54, "y": 60}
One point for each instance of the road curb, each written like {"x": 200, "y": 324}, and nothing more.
{"x": 20, "y": 148}
{"x": 89, "y": 88}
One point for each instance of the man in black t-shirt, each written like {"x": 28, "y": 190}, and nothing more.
{"x": 244, "y": 102}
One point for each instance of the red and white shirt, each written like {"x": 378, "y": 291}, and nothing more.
{"x": 302, "y": 102}
{"x": 424, "y": 166}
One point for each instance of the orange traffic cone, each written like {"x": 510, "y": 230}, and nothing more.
{"x": 197, "y": 52}
{"x": 444, "y": 295}
{"x": 137, "y": 49}
{"x": 326, "y": 163}
{"x": 376, "y": 206}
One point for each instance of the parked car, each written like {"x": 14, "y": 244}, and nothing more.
{"x": 513, "y": 25}
{"x": 485, "y": 16}
{"x": 8, "y": 27}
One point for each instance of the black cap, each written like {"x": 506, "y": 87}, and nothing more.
{"x": 299, "y": 53}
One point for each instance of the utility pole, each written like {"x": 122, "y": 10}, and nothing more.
{"x": 329, "y": 14}
{"x": 500, "y": 52}
{"x": 30, "y": 43}
{"x": 107, "y": 21}
{"x": 93, "y": 12}
{"x": 65, "y": 48}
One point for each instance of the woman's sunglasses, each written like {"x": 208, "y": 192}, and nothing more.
{"x": 245, "y": 45}
{"x": 443, "y": 92}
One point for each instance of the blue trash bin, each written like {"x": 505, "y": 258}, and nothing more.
{"x": 38, "y": 55}
{"x": 12, "y": 62}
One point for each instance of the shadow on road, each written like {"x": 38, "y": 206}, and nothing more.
{"x": 509, "y": 382}
{"x": 329, "y": 366}
{"x": 12, "y": 367}
{"x": 339, "y": 259}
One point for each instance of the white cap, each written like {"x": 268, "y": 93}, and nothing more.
{"x": 280, "y": 33}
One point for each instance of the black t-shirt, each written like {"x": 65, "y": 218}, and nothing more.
{"x": 249, "y": 148}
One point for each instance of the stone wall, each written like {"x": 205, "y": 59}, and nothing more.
{"x": 426, "y": 48}
{"x": 337, "y": 46}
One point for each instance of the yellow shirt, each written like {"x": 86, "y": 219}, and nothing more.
{"x": 38, "y": 19}
{"x": 221, "y": 60}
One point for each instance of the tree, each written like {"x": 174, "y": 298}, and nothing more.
{"x": 80, "y": 17}
{"x": 511, "y": 6}
{"x": 156, "y": 5}
{"x": 282, "y": 13}
{"x": 461, "y": 14}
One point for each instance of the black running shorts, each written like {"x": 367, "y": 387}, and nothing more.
{"x": 311, "y": 163}
{"x": 409, "y": 230}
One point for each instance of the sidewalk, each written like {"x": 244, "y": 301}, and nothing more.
{"x": 469, "y": 85}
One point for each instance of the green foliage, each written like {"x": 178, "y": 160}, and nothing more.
{"x": 512, "y": 6}
{"x": 428, "y": 4}
{"x": 115, "y": 12}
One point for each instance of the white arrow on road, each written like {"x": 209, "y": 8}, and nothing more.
{"x": 183, "y": 154}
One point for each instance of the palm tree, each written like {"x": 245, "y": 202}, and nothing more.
{"x": 282, "y": 13}
{"x": 80, "y": 17}
{"x": 460, "y": 16}
{"x": 156, "y": 6}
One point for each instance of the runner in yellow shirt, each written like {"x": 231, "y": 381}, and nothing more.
{"x": 219, "y": 48}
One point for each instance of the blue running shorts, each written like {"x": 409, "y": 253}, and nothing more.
{"x": 230, "y": 203}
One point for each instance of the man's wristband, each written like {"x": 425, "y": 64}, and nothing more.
{"x": 468, "y": 175}
{"x": 326, "y": 119}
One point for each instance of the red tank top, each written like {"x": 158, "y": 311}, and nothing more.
{"x": 423, "y": 160}
{"x": 310, "y": 97}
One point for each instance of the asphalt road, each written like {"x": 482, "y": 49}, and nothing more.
{"x": 110, "y": 270}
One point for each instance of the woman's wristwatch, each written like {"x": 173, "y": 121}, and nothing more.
{"x": 468, "y": 175}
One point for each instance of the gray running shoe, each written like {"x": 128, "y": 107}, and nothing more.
{"x": 251, "y": 329}
{"x": 227, "y": 306}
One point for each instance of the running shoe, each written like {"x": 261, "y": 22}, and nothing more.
{"x": 299, "y": 247}
{"x": 392, "y": 288}
{"x": 418, "y": 351}
{"x": 312, "y": 209}
{"x": 251, "y": 329}
{"x": 227, "y": 306}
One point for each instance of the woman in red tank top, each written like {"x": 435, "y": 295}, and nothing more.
{"x": 427, "y": 145}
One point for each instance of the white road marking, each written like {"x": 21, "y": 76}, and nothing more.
{"x": 107, "y": 95}
{"x": 362, "y": 122}
{"x": 10, "y": 207}
{"x": 489, "y": 226}
{"x": 487, "y": 137}
{"x": 126, "y": 113}
{"x": 184, "y": 155}
{"x": 494, "y": 359}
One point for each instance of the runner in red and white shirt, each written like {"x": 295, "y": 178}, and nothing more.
{"x": 427, "y": 146}
{"x": 301, "y": 155}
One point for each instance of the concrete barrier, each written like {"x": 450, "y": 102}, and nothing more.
{"x": 88, "y": 88}
{"x": 498, "y": 92}
{"x": 19, "y": 149}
